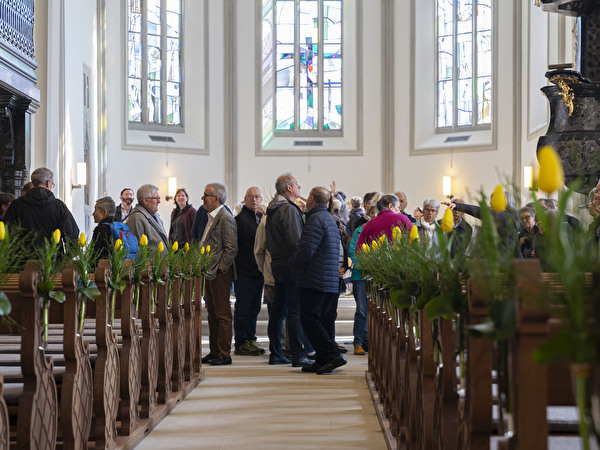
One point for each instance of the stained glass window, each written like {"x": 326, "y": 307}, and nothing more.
{"x": 464, "y": 63}
{"x": 154, "y": 78}
{"x": 301, "y": 66}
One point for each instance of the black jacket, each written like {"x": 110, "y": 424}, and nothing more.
{"x": 246, "y": 232}
{"x": 103, "y": 237}
{"x": 39, "y": 211}
{"x": 284, "y": 227}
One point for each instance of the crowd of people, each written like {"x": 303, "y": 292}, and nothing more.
{"x": 293, "y": 253}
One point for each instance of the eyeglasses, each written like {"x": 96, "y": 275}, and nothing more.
{"x": 154, "y": 198}
{"x": 431, "y": 210}
{"x": 208, "y": 195}
{"x": 525, "y": 218}
{"x": 254, "y": 196}
{"x": 53, "y": 184}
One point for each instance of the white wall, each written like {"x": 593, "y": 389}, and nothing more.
{"x": 418, "y": 175}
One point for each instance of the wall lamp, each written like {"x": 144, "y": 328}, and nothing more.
{"x": 447, "y": 186}
{"x": 172, "y": 188}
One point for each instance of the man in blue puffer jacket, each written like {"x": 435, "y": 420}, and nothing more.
{"x": 316, "y": 262}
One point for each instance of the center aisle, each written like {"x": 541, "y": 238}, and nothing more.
{"x": 251, "y": 405}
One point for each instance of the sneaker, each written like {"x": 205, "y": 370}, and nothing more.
{"x": 247, "y": 349}
{"x": 261, "y": 351}
{"x": 358, "y": 350}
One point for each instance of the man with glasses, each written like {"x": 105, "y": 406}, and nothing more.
{"x": 144, "y": 218}
{"x": 40, "y": 211}
{"x": 249, "y": 283}
{"x": 403, "y": 202}
{"x": 221, "y": 234}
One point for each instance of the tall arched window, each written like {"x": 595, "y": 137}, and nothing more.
{"x": 464, "y": 64}
{"x": 154, "y": 76}
{"x": 301, "y": 67}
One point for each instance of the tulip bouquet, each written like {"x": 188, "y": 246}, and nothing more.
{"x": 118, "y": 270}
{"x": 83, "y": 257}
{"x": 571, "y": 256}
{"x": 159, "y": 264}
{"x": 174, "y": 267}
{"x": 140, "y": 263}
{"x": 51, "y": 263}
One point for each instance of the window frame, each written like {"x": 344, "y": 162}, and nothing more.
{"x": 144, "y": 125}
{"x": 454, "y": 128}
{"x": 344, "y": 141}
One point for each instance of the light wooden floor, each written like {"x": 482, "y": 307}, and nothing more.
{"x": 251, "y": 405}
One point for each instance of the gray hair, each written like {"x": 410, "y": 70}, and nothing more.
{"x": 386, "y": 200}
{"x": 145, "y": 191}
{"x": 527, "y": 209}
{"x": 250, "y": 188}
{"x": 107, "y": 204}
{"x": 432, "y": 202}
{"x": 283, "y": 181}
{"x": 355, "y": 201}
{"x": 40, "y": 176}
{"x": 218, "y": 190}
{"x": 592, "y": 194}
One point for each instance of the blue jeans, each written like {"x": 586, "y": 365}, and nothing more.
{"x": 359, "y": 290}
{"x": 248, "y": 293}
{"x": 285, "y": 303}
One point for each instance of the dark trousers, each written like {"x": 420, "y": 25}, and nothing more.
{"x": 285, "y": 303}
{"x": 248, "y": 293}
{"x": 317, "y": 315}
{"x": 219, "y": 313}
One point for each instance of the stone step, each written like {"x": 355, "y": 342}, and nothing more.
{"x": 343, "y": 325}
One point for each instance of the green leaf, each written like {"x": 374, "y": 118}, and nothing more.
{"x": 439, "y": 306}
{"x": 44, "y": 287}
{"x": 554, "y": 349}
{"x": 59, "y": 296}
{"x": 5, "y": 306}
{"x": 504, "y": 316}
{"x": 119, "y": 286}
{"x": 400, "y": 298}
{"x": 90, "y": 292}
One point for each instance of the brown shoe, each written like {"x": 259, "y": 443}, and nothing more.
{"x": 358, "y": 350}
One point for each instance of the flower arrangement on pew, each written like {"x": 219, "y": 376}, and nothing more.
{"x": 118, "y": 270}
{"x": 83, "y": 257}
{"x": 159, "y": 264}
{"x": 51, "y": 263}
{"x": 571, "y": 256}
{"x": 140, "y": 264}
{"x": 174, "y": 269}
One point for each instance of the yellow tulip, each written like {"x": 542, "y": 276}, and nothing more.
{"x": 161, "y": 247}
{"x": 382, "y": 239}
{"x": 82, "y": 241}
{"x": 175, "y": 246}
{"x": 56, "y": 236}
{"x": 118, "y": 244}
{"x": 396, "y": 233}
{"x": 414, "y": 233}
{"x": 144, "y": 240}
{"x": 551, "y": 176}
{"x": 186, "y": 247}
{"x": 208, "y": 249}
{"x": 365, "y": 248}
{"x": 498, "y": 201}
{"x": 448, "y": 221}
{"x": 202, "y": 251}
{"x": 2, "y": 231}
